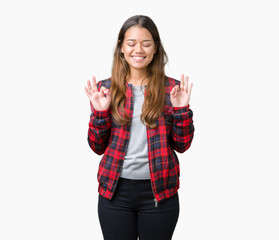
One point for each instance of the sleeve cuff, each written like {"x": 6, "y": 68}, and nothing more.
{"x": 177, "y": 110}
{"x": 101, "y": 114}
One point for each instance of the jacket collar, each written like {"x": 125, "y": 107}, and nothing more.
{"x": 129, "y": 91}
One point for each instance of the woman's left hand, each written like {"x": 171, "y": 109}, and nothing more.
{"x": 180, "y": 97}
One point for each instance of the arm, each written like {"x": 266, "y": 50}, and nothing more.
{"x": 99, "y": 130}
{"x": 182, "y": 129}
{"x": 182, "y": 122}
{"x": 100, "y": 118}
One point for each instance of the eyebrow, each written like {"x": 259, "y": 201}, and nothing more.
{"x": 135, "y": 40}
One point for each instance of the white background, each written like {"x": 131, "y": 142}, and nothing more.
{"x": 48, "y": 173}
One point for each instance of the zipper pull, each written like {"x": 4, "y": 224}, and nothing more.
{"x": 156, "y": 202}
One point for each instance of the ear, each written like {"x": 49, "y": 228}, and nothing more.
{"x": 156, "y": 47}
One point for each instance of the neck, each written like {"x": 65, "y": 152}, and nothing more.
{"x": 136, "y": 77}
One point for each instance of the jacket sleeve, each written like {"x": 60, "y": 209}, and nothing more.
{"x": 99, "y": 129}
{"x": 182, "y": 128}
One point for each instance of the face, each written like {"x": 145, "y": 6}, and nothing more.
{"x": 138, "y": 48}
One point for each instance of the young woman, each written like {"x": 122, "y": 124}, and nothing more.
{"x": 139, "y": 117}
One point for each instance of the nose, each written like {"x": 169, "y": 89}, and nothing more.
{"x": 139, "y": 48}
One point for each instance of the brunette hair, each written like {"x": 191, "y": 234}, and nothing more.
{"x": 155, "y": 88}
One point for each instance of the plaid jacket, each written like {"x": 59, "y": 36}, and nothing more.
{"x": 174, "y": 131}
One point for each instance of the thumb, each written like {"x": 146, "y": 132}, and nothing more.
{"x": 108, "y": 93}
{"x": 174, "y": 91}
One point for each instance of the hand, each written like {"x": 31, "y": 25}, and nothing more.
{"x": 181, "y": 97}
{"x": 100, "y": 100}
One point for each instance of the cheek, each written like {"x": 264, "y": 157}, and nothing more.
{"x": 150, "y": 55}
{"x": 127, "y": 52}
{"x": 151, "y": 52}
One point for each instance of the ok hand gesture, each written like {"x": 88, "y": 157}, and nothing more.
{"x": 100, "y": 100}
{"x": 180, "y": 97}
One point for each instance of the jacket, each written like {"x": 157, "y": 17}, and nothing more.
{"x": 174, "y": 131}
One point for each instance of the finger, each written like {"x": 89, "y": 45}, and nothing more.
{"x": 174, "y": 91}
{"x": 190, "y": 89}
{"x": 87, "y": 92}
{"x": 89, "y": 86}
{"x": 176, "y": 87}
{"x": 182, "y": 82}
{"x": 108, "y": 93}
{"x": 102, "y": 90}
{"x": 186, "y": 83}
{"x": 94, "y": 84}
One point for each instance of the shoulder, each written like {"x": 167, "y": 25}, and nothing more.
{"x": 170, "y": 83}
{"x": 105, "y": 83}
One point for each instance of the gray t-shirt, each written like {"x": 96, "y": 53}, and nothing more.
{"x": 136, "y": 164}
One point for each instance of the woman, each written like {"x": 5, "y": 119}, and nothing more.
{"x": 139, "y": 117}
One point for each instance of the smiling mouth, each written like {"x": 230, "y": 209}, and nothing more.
{"x": 137, "y": 58}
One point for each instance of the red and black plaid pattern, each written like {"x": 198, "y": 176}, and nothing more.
{"x": 174, "y": 131}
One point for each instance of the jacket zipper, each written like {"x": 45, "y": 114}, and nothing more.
{"x": 155, "y": 200}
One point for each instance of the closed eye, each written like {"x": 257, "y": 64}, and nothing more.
{"x": 132, "y": 45}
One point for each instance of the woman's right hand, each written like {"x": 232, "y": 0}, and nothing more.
{"x": 99, "y": 99}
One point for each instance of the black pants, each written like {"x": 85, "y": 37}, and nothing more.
{"x": 132, "y": 213}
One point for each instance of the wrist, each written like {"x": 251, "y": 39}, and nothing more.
{"x": 180, "y": 109}
{"x": 101, "y": 113}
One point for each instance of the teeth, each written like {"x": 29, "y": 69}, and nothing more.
{"x": 138, "y": 57}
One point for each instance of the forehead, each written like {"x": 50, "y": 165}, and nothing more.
{"x": 138, "y": 34}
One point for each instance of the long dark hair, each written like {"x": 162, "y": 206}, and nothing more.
{"x": 155, "y": 97}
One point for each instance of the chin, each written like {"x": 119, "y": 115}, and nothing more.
{"x": 138, "y": 67}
